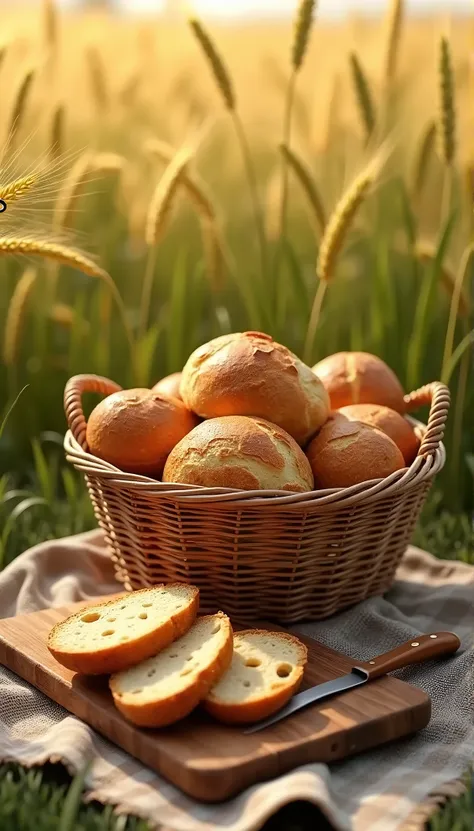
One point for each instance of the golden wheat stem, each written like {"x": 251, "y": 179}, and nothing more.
{"x": 314, "y": 321}
{"x": 16, "y": 315}
{"x": 394, "y": 29}
{"x": 454, "y": 308}
{"x": 447, "y": 118}
{"x": 363, "y": 96}
{"x": 308, "y": 185}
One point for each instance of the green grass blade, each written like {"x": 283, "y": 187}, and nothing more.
{"x": 10, "y": 409}
{"x": 67, "y": 820}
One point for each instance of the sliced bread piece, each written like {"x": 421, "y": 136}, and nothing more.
{"x": 166, "y": 688}
{"x": 266, "y": 670}
{"x": 116, "y": 634}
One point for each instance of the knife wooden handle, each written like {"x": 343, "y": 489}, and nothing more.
{"x": 418, "y": 649}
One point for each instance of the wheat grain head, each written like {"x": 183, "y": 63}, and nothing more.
{"x": 16, "y": 315}
{"x": 163, "y": 197}
{"x": 18, "y": 109}
{"x": 447, "y": 115}
{"x": 55, "y": 251}
{"x": 302, "y": 29}
{"x": 308, "y": 184}
{"x": 423, "y": 156}
{"x": 73, "y": 185}
{"x": 216, "y": 63}
{"x": 12, "y": 191}
{"x": 56, "y": 141}
{"x": 394, "y": 23}
{"x": 365, "y": 103}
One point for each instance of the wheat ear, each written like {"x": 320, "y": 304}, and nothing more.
{"x": 163, "y": 197}
{"x": 302, "y": 29}
{"x": 426, "y": 253}
{"x": 71, "y": 190}
{"x": 447, "y": 117}
{"x": 50, "y": 24}
{"x": 56, "y": 141}
{"x": 16, "y": 315}
{"x": 423, "y": 157}
{"x": 394, "y": 29}
{"x": 98, "y": 79}
{"x": 307, "y": 183}
{"x": 216, "y": 63}
{"x": 363, "y": 96}
{"x": 19, "y": 108}
{"x": 16, "y": 189}
{"x": 53, "y": 251}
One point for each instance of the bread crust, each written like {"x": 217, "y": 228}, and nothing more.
{"x": 390, "y": 422}
{"x": 167, "y": 711}
{"x": 136, "y": 429}
{"x": 347, "y": 452}
{"x": 248, "y": 712}
{"x": 248, "y": 373}
{"x": 125, "y": 655}
{"x": 239, "y": 452}
{"x": 169, "y": 385}
{"x": 360, "y": 378}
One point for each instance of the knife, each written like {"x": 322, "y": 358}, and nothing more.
{"x": 418, "y": 649}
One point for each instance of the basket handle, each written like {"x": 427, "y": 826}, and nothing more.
{"x": 73, "y": 392}
{"x": 438, "y": 396}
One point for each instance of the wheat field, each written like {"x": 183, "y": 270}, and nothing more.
{"x": 166, "y": 182}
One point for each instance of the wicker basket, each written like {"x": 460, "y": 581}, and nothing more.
{"x": 259, "y": 554}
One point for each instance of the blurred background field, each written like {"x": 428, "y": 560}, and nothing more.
{"x": 95, "y": 106}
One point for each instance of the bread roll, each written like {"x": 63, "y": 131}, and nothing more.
{"x": 347, "y": 452}
{"x": 360, "y": 378}
{"x": 135, "y": 430}
{"x": 248, "y": 373}
{"x": 391, "y": 423}
{"x": 242, "y": 453}
{"x": 169, "y": 385}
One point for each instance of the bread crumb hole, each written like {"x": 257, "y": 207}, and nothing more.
{"x": 123, "y": 607}
{"x": 189, "y": 658}
{"x": 284, "y": 670}
{"x": 125, "y": 638}
{"x": 152, "y": 672}
{"x": 252, "y": 662}
{"x": 143, "y": 616}
{"x": 146, "y": 605}
{"x": 108, "y": 632}
{"x": 216, "y": 628}
{"x": 135, "y": 692}
{"x": 246, "y": 683}
{"x": 90, "y": 617}
{"x": 111, "y": 619}
{"x": 185, "y": 672}
{"x": 174, "y": 655}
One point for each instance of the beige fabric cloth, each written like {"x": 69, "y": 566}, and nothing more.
{"x": 379, "y": 791}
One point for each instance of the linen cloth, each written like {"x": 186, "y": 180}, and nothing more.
{"x": 394, "y": 787}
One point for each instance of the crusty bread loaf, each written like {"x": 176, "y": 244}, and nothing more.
{"x": 169, "y": 686}
{"x": 169, "y": 385}
{"x": 250, "y": 374}
{"x": 390, "y": 422}
{"x": 360, "y": 378}
{"x": 117, "y": 634}
{"x": 266, "y": 670}
{"x": 239, "y": 452}
{"x": 347, "y": 452}
{"x": 136, "y": 429}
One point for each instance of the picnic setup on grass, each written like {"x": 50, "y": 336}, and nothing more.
{"x": 254, "y": 511}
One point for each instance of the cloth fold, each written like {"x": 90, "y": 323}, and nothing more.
{"x": 393, "y": 787}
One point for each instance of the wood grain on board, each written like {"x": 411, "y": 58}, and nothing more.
{"x": 203, "y": 758}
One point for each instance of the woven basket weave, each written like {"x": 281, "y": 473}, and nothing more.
{"x": 259, "y": 554}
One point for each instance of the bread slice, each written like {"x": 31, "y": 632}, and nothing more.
{"x": 166, "y": 688}
{"x": 116, "y": 634}
{"x": 266, "y": 670}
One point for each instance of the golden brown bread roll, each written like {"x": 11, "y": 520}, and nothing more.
{"x": 136, "y": 429}
{"x": 242, "y": 453}
{"x": 347, "y": 452}
{"x": 248, "y": 373}
{"x": 169, "y": 385}
{"x": 390, "y": 422}
{"x": 360, "y": 378}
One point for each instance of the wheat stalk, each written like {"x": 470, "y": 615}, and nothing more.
{"x": 447, "y": 117}
{"x": 302, "y": 29}
{"x": 16, "y": 315}
{"x": 72, "y": 188}
{"x": 18, "y": 109}
{"x": 423, "y": 156}
{"x": 394, "y": 29}
{"x": 307, "y": 183}
{"x": 16, "y": 189}
{"x": 426, "y": 253}
{"x": 341, "y": 219}
{"x": 218, "y": 67}
{"x": 97, "y": 77}
{"x": 57, "y": 133}
{"x": 363, "y": 95}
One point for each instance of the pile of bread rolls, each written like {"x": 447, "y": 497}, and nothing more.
{"x": 246, "y": 413}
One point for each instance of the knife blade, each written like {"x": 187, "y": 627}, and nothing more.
{"x": 419, "y": 648}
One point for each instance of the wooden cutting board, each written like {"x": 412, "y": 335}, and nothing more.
{"x": 203, "y": 758}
